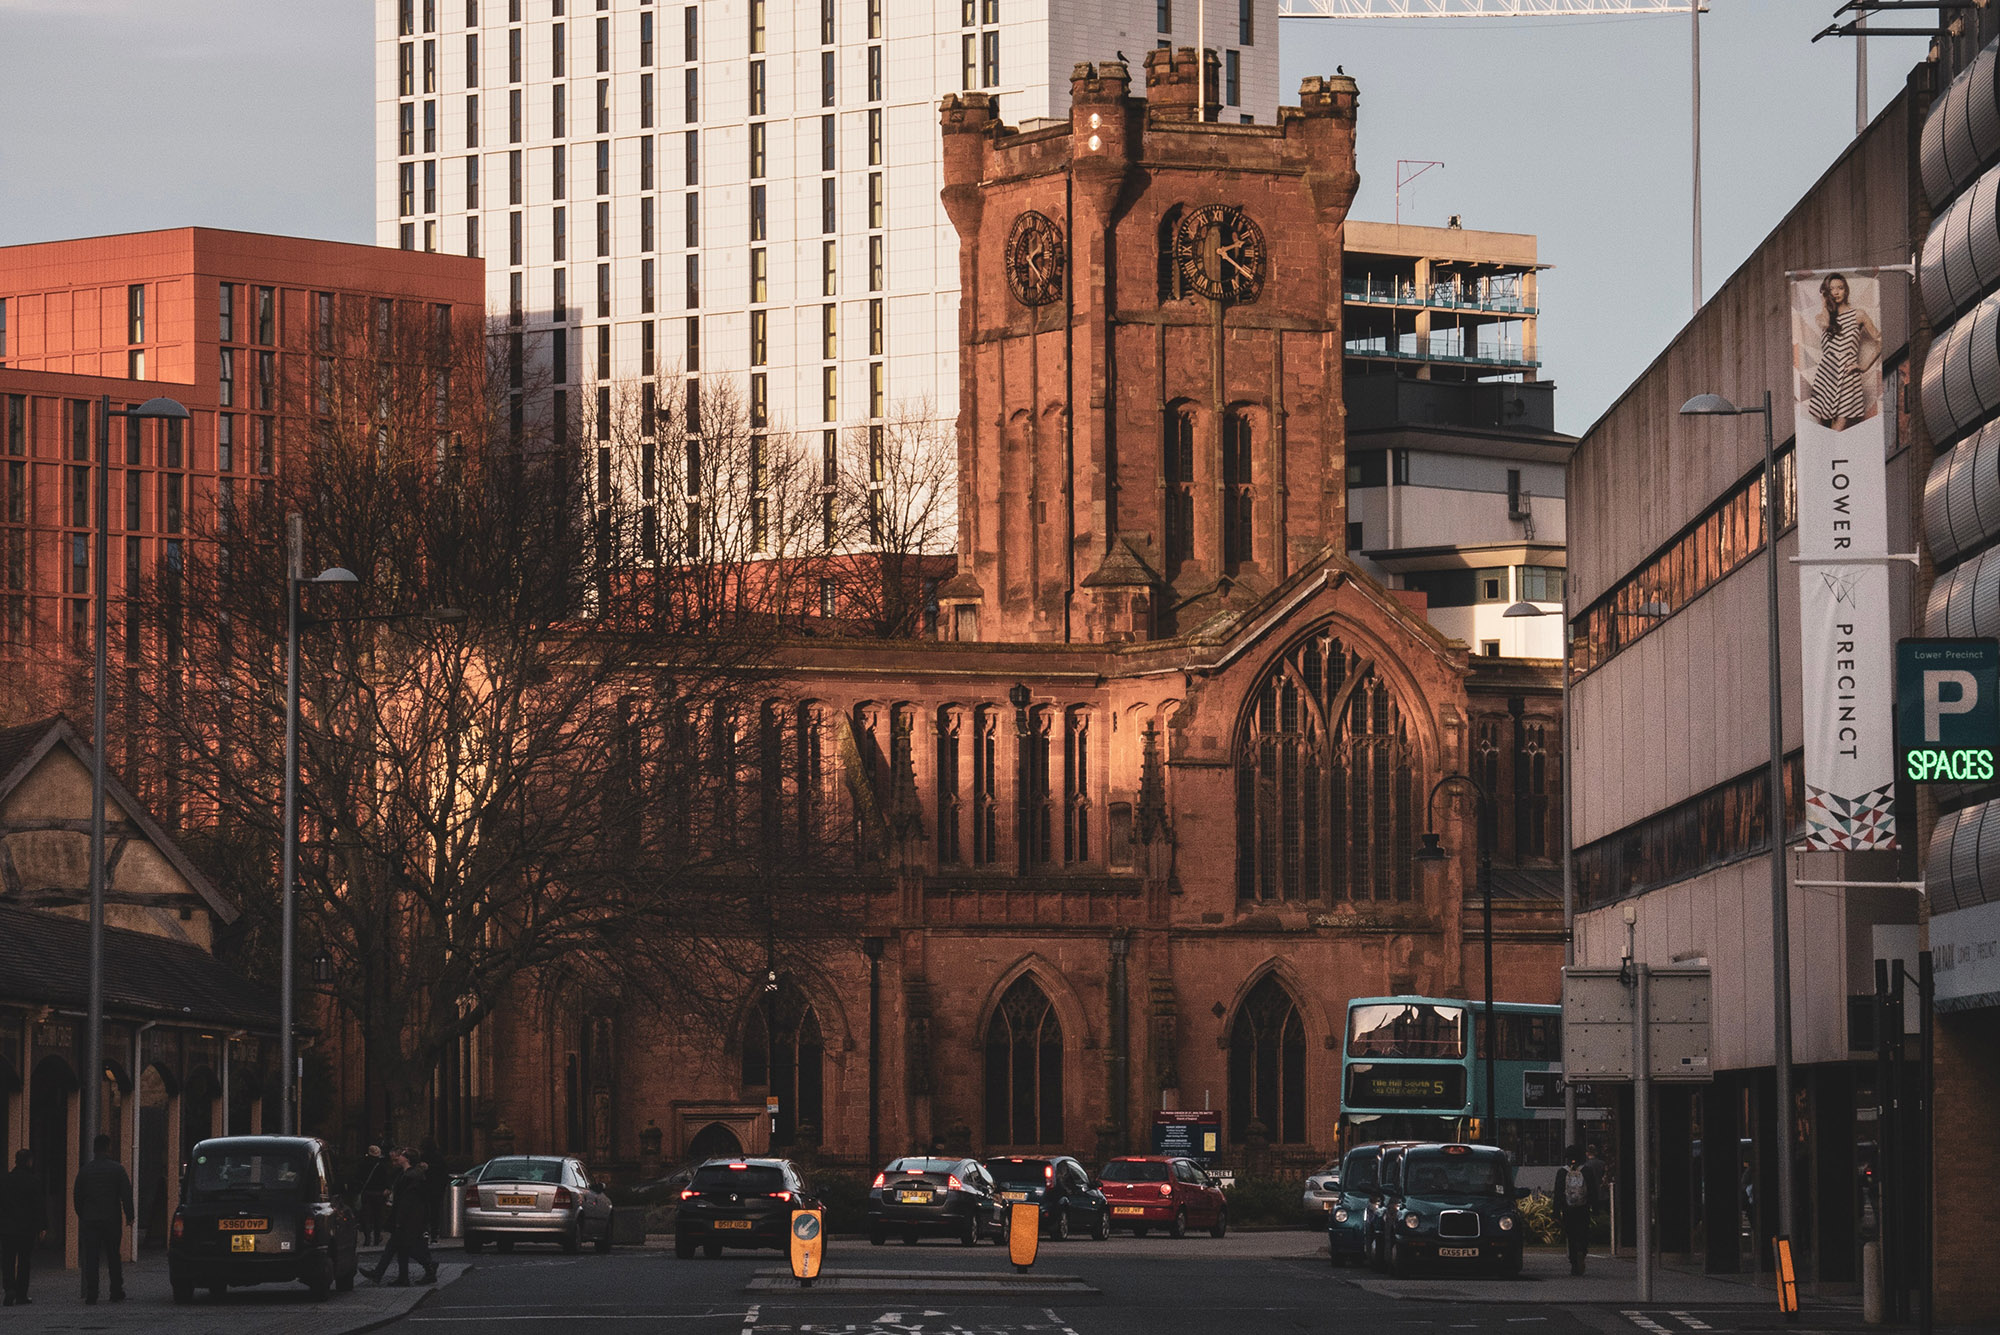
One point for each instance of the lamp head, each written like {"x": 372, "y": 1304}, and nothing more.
{"x": 1430, "y": 850}
{"x": 451, "y": 614}
{"x": 336, "y": 575}
{"x": 1711, "y": 405}
{"x": 166, "y": 409}
{"x": 1524, "y": 609}
{"x": 1017, "y": 696}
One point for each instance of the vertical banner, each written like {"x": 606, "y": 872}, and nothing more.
{"x": 1845, "y": 666}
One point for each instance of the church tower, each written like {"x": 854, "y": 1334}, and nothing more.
{"x": 1150, "y": 424}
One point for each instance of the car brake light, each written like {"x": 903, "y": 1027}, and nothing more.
{"x": 739, "y": 1167}
{"x": 1048, "y": 1172}
{"x": 312, "y": 1227}
{"x": 781, "y": 1195}
{"x": 563, "y": 1198}
{"x": 1166, "y": 1188}
{"x": 180, "y": 1224}
{"x": 952, "y": 1183}
{"x": 880, "y": 1178}
{"x": 687, "y": 1193}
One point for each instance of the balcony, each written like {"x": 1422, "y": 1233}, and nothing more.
{"x": 1385, "y": 400}
{"x": 1441, "y": 347}
{"x": 1500, "y": 299}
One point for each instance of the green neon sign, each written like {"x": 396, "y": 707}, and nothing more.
{"x": 1947, "y": 710}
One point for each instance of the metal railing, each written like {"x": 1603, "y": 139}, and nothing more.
{"x": 1438, "y": 348}
{"x": 1442, "y": 296}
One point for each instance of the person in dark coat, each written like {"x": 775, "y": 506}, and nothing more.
{"x": 24, "y": 1217}
{"x": 1576, "y": 1196}
{"x": 373, "y": 1176}
{"x": 409, "y": 1216}
{"x": 103, "y": 1199}
{"x": 436, "y": 1182}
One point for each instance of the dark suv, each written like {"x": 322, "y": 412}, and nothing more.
{"x": 740, "y": 1203}
{"x": 260, "y": 1210}
{"x": 1060, "y": 1186}
{"x": 1455, "y": 1203}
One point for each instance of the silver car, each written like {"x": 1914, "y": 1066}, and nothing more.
{"x": 1322, "y": 1193}
{"x": 534, "y": 1198}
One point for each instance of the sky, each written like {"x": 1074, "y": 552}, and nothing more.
{"x": 258, "y": 115}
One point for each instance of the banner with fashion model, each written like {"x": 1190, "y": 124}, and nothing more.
{"x": 1845, "y": 662}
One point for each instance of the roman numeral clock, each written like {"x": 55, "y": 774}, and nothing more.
{"x": 1219, "y": 253}
{"x": 1035, "y": 259}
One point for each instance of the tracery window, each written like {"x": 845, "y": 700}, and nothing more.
{"x": 1267, "y": 1066}
{"x": 1177, "y": 449}
{"x": 947, "y": 786}
{"x": 1024, "y": 1069}
{"x": 985, "y": 797}
{"x": 1327, "y": 791}
{"x": 785, "y": 1053}
{"x": 1238, "y": 515}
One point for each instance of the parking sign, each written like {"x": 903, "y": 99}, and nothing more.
{"x": 1947, "y": 710}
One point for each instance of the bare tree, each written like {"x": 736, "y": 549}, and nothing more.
{"x": 896, "y": 491}
{"x": 570, "y": 778}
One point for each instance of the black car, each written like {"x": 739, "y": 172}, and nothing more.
{"x": 740, "y": 1203}
{"x": 1455, "y": 1203}
{"x": 1060, "y": 1186}
{"x": 953, "y": 1198}
{"x": 260, "y": 1210}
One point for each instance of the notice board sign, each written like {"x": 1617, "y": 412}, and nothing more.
{"x": 1947, "y": 709}
{"x": 1191, "y": 1134}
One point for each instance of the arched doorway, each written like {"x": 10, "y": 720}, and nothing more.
{"x": 198, "y": 1098}
{"x": 50, "y": 1090}
{"x": 1024, "y": 1068}
{"x": 1267, "y": 1066}
{"x": 154, "y": 1186}
{"x": 715, "y": 1141}
{"x": 784, "y": 1051}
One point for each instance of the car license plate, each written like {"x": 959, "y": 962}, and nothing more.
{"x": 512, "y": 1200}
{"x": 1467, "y": 1253}
{"x": 1013, "y": 1195}
{"x": 242, "y": 1225}
{"x": 243, "y": 1242}
{"x": 913, "y": 1197}
{"x": 1128, "y": 1209}
{"x": 732, "y": 1223}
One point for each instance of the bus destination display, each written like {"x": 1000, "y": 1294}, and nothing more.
{"x": 1412, "y": 1085}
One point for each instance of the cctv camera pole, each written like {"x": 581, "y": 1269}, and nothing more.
{"x": 1642, "y": 1128}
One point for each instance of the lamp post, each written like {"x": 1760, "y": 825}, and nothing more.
{"x": 165, "y": 410}
{"x": 1431, "y": 852}
{"x": 1714, "y": 405}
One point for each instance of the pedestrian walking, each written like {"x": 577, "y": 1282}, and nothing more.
{"x": 103, "y": 1199}
{"x": 436, "y": 1179}
{"x": 24, "y": 1217}
{"x": 409, "y": 1206}
{"x": 373, "y": 1178}
{"x": 1576, "y": 1197}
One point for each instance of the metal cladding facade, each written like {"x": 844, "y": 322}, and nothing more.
{"x": 1960, "y": 280}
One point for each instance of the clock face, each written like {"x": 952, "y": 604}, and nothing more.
{"x": 1035, "y": 260}
{"x": 1219, "y": 253}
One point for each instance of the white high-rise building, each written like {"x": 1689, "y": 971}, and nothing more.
{"x": 737, "y": 187}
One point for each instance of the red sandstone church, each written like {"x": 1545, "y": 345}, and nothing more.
{"x": 1172, "y": 751}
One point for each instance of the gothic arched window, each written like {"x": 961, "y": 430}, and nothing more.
{"x": 1238, "y": 512}
{"x": 1326, "y": 788}
{"x": 1267, "y": 1066}
{"x": 1177, "y": 463}
{"x": 784, "y": 1053}
{"x": 1024, "y": 1069}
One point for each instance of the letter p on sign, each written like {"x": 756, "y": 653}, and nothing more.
{"x": 1964, "y": 696}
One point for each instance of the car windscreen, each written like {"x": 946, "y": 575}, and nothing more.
{"x": 1019, "y": 1172}
{"x": 248, "y": 1175}
{"x": 924, "y": 1166}
{"x": 1359, "y": 1172}
{"x": 522, "y": 1170}
{"x": 752, "y": 1178}
{"x": 1437, "y": 1174}
{"x": 1134, "y": 1170}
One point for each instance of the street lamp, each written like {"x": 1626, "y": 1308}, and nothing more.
{"x": 1431, "y": 852}
{"x": 165, "y": 410}
{"x": 1714, "y": 405}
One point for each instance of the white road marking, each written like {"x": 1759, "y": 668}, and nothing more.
{"x": 1690, "y": 1322}
{"x": 750, "y": 1320}
{"x": 1062, "y": 1327}
{"x": 1644, "y": 1322}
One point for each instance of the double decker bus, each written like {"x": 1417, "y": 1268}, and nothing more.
{"x": 1413, "y": 1069}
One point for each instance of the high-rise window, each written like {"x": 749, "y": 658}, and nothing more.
{"x": 472, "y": 182}
{"x": 875, "y": 137}
{"x": 406, "y": 189}
{"x": 968, "y": 61}
{"x": 430, "y": 67}
{"x": 693, "y": 336}
{"x": 406, "y": 129}
{"x": 875, "y": 209}
{"x": 646, "y": 162}
{"x": 645, "y": 101}
{"x": 558, "y": 111}
{"x": 758, "y": 229}
{"x": 558, "y": 172}
{"x": 756, "y": 26}
{"x": 1246, "y": 32}
{"x": 1163, "y": 15}
{"x": 604, "y": 106}
{"x": 874, "y": 19}
{"x": 225, "y": 316}
{"x": 603, "y": 229}
{"x": 559, "y": 243}
{"x": 692, "y": 110}
{"x": 757, "y": 99}
{"x": 876, "y": 247}
{"x": 514, "y": 55}
{"x": 759, "y": 275}
{"x": 472, "y": 60}
{"x": 1232, "y": 78}
{"x": 646, "y": 40}
{"x": 430, "y": 185}
{"x": 226, "y": 378}
{"x": 826, "y": 80}
{"x": 875, "y": 327}
{"x": 693, "y": 290}
{"x": 406, "y": 77}
{"x": 874, "y": 74}
{"x": 826, "y": 144}
{"x": 693, "y": 221}
{"x": 472, "y": 120}
{"x": 989, "y": 59}
{"x": 514, "y": 177}
{"x": 646, "y": 285}
{"x": 827, "y": 210}
{"x": 430, "y": 127}
{"x": 829, "y": 268}
{"x": 558, "y": 55}
{"x": 267, "y": 316}
{"x": 514, "y": 116}
{"x": 604, "y": 292}
{"x": 135, "y": 313}
{"x": 604, "y": 46}
{"x": 760, "y": 337}
{"x": 826, "y": 22}
{"x": 604, "y": 166}
{"x": 830, "y": 394}
{"x": 693, "y": 172}
{"x": 756, "y": 151}
{"x": 646, "y": 224}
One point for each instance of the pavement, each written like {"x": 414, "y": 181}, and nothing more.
{"x": 1606, "y": 1281}
{"x": 149, "y": 1307}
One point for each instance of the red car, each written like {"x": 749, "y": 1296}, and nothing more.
{"x": 1145, "y": 1190}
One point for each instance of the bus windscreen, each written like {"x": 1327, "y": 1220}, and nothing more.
{"x": 1406, "y": 1029}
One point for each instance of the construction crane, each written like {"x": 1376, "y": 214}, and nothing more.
{"x": 1473, "y": 9}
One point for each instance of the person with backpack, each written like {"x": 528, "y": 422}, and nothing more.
{"x": 1576, "y": 1197}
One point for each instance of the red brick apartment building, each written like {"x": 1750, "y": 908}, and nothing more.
{"x": 221, "y": 321}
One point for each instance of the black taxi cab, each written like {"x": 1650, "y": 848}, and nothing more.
{"x": 260, "y": 1210}
{"x": 1454, "y": 1204}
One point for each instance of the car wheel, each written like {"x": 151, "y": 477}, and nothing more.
{"x": 970, "y": 1235}
{"x": 572, "y": 1241}
{"x": 474, "y": 1244}
{"x": 1178, "y": 1229}
{"x": 1102, "y": 1229}
{"x": 603, "y": 1243}
{"x": 712, "y": 1250}
{"x": 876, "y": 1237}
{"x": 1061, "y": 1230}
{"x": 1221, "y": 1228}
{"x": 683, "y": 1247}
{"x": 1400, "y": 1261}
{"x": 183, "y": 1289}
